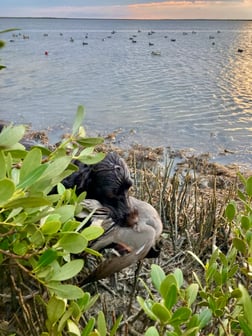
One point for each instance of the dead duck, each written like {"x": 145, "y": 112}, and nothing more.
{"x": 136, "y": 240}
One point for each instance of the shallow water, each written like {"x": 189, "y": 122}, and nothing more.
{"x": 197, "y": 94}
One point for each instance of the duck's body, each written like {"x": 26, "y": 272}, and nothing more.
{"x": 134, "y": 240}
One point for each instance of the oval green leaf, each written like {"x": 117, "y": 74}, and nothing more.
{"x": 79, "y": 116}
{"x": 157, "y": 276}
{"x": 72, "y": 242}
{"x": 249, "y": 186}
{"x": 20, "y": 248}
{"x": 204, "y": 317}
{"x": 162, "y": 313}
{"x": 181, "y": 315}
{"x": 7, "y": 189}
{"x": 46, "y": 258}
{"x": 152, "y": 331}
{"x": 69, "y": 270}
{"x": 69, "y": 292}
{"x": 89, "y": 327}
{"x": 240, "y": 245}
{"x": 101, "y": 324}
{"x": 92, "y": 232}
{"x": 11, "y": 135}
{"x": 230, "y": 211}
{"x": 191, "y": 293}
{"x": 55, "y": 309}
{"x": 73, "y": 329}
{"x": 31, "y": 162}
{"x": 27, "y": 202}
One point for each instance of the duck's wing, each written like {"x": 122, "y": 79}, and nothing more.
{"x": 116, "y": 264}
{"x": 95, "y": 207}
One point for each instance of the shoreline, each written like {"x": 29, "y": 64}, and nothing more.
{"x": 149, "y": 154}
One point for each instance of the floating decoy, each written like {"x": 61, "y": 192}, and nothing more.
{"x": 156, "y": 53}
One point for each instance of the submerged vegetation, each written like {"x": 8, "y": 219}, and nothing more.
{"x": 200, "y": 284}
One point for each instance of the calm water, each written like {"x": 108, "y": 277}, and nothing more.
{"x": 197, "y": 94}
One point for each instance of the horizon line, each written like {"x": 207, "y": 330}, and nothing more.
{"x": 133, "y": 19}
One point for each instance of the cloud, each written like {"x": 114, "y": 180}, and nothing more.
{"x": 140, "y": 9}
{"x": 193, "y": 9}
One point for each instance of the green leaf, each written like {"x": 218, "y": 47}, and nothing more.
{"x": 37, "y": 238}
{"x": 240, "y": 245}
{"x": 66, "y": 212}
{"x": 146, "y": 305}
{"x": 51, "y": 225}
{"x": 171, "y": 296}
{"x": 247, "y": 305}
{"x": 191, "y": 293}
{"x": 157, "y": 276}
{"x": 46, "y": 258}
{"x": 10, "y": 135}
{"x": 90, "y": 142}
{"x": 168, "y": 290}
{"x": 69, "y": 292}
{"x": 91, "y": 158}
{"x": 89, "y": 327}
{"x": 27, "y": 202}
{"x": 7, "y": 189}
{"x": 31, "y": 162}
{"x": 33, "y": 177}
{"x": 91, "y": 302}
{"x": 181, "y": 315}
{"x": 63, "y": 321}
{"x": 116, "y": 326}
{"x": 236, "y": 293}
{"x": 162, "y": 313}
{"x": 101, "y": 324}
{"x": 20, "y": 248}
{"x": 179, "y": 277}
{"x": 92, "y": 232}
{"x": 72, "y": 242}
{"x": 2, "y": 165}
{"x": 55, "y": 309}
{"x": 84, "y": 301}
{"x": 73, "y": 328}
{"x": 69, "y": 270}
{"x": 246, "y": 222}
{"x": 245, "y": 326}
{"x": 151, "y": 331}
{"x": 249, "y": 186}
{"x": 78, "y": 120}
{"x": 230, "y": 211}
{"x": 53, "y": 174}
{"x": 204, "y": 317}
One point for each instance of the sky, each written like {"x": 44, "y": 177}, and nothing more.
{"x": 129, "y": 9}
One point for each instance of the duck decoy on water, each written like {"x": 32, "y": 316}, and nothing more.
{"x": 136, "y": 240}
{"x": 156, "y": 53}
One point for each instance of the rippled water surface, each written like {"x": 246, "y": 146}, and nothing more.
{"x": 196, "y": 94}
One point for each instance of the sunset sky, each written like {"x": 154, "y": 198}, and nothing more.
{"x": 130, "y": 9}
